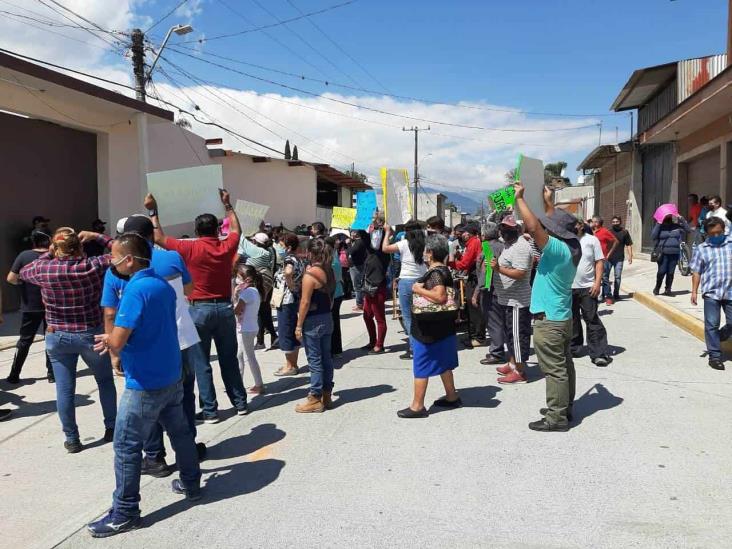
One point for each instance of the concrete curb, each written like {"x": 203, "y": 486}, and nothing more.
{"x": 683, "y": 320}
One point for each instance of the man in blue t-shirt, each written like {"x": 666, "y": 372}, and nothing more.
{"x": 145, "y": 335}
{"x": 167, "y": 264}
{"x": 551, "y": 304}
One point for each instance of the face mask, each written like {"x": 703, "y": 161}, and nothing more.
{"x": 451, "y": 238}
{"x": 617, "y": 228}
{"x": 716, "y": 240}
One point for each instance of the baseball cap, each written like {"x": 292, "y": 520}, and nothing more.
{"x": 40, "y": 219}
{"x": 261, "y": 238}
{"x": 509, "y": 221}
{"x": 140, "y": 224}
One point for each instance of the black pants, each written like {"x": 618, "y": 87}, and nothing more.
{"x": 493, "y": 314}
{"x": 29, "y": 324}
{"x": 584, "y": 306}
{"x": 265, "y": 319}
{"x": 347, "y": 283}
{"x": 336, "y": 343}
{"x": 477, "y": 322}
{"x": 517, "y": 327}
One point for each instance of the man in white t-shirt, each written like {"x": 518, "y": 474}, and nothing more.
{"x": 716, "y": 210}
{"x": 585, "y": 289}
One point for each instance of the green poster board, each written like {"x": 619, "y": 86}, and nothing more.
{"x": 503, "y": 198}
{"x": 488, "y": 254}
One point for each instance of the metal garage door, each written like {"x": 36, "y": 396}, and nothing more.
{"x": 658, "y": 171}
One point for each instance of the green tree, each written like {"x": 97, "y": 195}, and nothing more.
{"x": 552, "y": 170}
{"x": 294, "y": 153}
{"x": 288, "y": 154}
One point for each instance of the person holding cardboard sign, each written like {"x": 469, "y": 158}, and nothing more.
{"x": 209, "y": 260}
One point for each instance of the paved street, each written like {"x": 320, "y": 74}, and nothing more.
{"x": 646, "y": 465}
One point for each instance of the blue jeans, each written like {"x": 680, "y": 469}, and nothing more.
{"x": 405, "y": 302}
{"x": 617, "y": 266}
{"x": 64, "y": 350}
{"x": 316, "y": 332}
{"x": 357, "y": 279}
{"x": 216, "y": 321}
{"x": 190, "y": 357}
{"x": 139, "y": 414}
{"x": 713, "y": 336}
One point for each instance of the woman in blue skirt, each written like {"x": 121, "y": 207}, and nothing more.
{"x": 434, "y": 343}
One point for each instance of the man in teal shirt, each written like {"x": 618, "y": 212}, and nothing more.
{"x": 551, "y": 305}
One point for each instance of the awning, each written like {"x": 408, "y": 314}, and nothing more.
{"x": 643, "y": 85}
{"x": 338, "y": 178}
{"x": 600, "y": 155}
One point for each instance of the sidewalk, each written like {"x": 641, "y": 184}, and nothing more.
{"x": 639, "y": 280}
{"x": 9, "y": 331}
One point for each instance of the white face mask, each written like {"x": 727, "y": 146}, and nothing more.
{"x": 239, "y": 279}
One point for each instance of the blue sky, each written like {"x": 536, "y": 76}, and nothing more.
{"x": 569, "y": 56}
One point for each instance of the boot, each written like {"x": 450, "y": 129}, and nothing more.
{"x": 310, "y": 405}
{"x": 327, "y": 399}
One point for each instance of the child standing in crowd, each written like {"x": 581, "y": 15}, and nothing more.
{"x": 247, "y": 298}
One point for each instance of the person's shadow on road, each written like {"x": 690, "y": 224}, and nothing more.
{"x": 474, "y": 397}
{"x": 596, "y": 398}
{"x": 237, "y": 479}
{"x": 349, "y": 396}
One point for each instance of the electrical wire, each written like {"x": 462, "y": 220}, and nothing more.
{"x": 93, "y": 33}
{"x": 164, "y": 17}
{"x": 382, "y": 111}
{"x": 264, "y": 27}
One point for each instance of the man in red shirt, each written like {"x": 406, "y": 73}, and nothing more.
{"x": 608, "y": 243}
{"x": 209, "y": 260}
{"x": 468, "y": 263}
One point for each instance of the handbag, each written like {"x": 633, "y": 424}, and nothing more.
{"x": 424, "y": 309}
{"x": 278, "y": 296}
{"x": 656, "y": 254}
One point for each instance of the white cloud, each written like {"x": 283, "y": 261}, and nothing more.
{"x": 190, "y": 9}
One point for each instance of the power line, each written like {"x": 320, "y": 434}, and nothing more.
{"x": 164, "y": 17}
{"x": 92, "y": 23}
{"x": 308, "y": 44}
{"x": 93, "y": 33}
{"x": 343, "y": 51}
{"x": 382, "y": 111}
{"x": 264, "y": 27}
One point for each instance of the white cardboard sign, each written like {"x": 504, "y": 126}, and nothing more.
{"x": 186, "y": 193}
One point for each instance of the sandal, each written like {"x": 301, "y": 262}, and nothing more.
{"x": 284, "y": 372}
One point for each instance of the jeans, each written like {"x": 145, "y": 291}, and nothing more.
{"x": 551, "y": 343}
{"x": 286, "y": 322}
{"x": 713, "y": 336}
{"x": 190, "y": 357}
{"x": 316, "y": 334}
{"x": 374, "y": 311}
{"x": 357, "y": 279}
{"x": 30, "y": 321}
{"x": 584, "y": 306}
{"x": 494, "y": 315}
{"x": 64, "y": 350}
{"x": 216, "y": 321}
{"x": 139, "y": 414}
{"x": 405, "y": 302}
{"x": 336, "y": 340}
{"x": 617, "y": 266}
{"x": 246, "y": 356}
{"x": 666, "y": 268}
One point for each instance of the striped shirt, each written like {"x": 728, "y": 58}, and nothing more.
{"x": 259, "y": 258}
{"x": 509, "y": 291}
{"x": 714, "y": 264}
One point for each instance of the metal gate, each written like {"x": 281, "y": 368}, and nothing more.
{"x": 658, "y": 169}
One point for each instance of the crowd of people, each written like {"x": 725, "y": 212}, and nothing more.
{"x": 147, "y": 306}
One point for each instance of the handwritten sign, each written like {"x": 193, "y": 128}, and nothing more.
{"x": 503, "y": 198}
{"x": 395, "y": 194}
{"x": 343, "y": 217}
{"x": 365, "y": 208}
{"x": 488, "y": 254}
{"x": 184, "y": 194}
{"x": 250, "y": 216}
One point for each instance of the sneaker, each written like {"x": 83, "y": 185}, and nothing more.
{"x": 73, "y": 447}
{"x": 191, "y": 494}
{"x": 312, "y": 404}
{"x": 50, "y": 377}
{"x": 542, "y": 425}
{"x": 716, "y": 363}
{"x": 109, "y": 435}
{"x": 667, "y": 292}
{"x": 444, "y": 403}
{"x": 259, "y": 347}
{"x": 544, "y": 412}
{"x": 5, "y": 414}
{"x": 609, "y": 302}
{"x": 504, "y": 370}
{"x": 112, "y": 524}
{"x": 601, "y": 361}
{"x": 406, "y": 356}
{"x": 408, "y": 413}
{"x": 514, "y": 377}
{"x": 242, "y": 411}
{"x": 656, "y": 291}
{"x": 155, "y": 467}
{"x": 490, "y": 360}
{"x": 207, "y": 419}
{"x": 201, "y": 450}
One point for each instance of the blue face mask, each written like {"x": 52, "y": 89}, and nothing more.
{"x": 716, "y": 240}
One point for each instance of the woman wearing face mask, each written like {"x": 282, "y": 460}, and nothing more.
{"x": 247, "y": 296}
{"x": 411, "y": 251}
{"x": 433, "y": 335}
{"x": 667, "y": 237}
{"x": 71, "y": 287}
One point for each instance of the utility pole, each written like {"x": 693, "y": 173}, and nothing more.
{"x": 138, "y": 63}
{"x": 416, "y": 131}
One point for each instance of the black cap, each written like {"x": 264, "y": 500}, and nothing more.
{"x": 98, "y": 221}
{"x": 139, "y": 224}
{"x": 40, "y": 219}
{"x": 39, "y": 237}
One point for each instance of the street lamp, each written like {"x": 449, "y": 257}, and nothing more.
{"x": 180, "y": 30}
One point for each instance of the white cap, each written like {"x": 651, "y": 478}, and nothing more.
{"x": 121, "y": 225}
{"x": 261, "y": 238}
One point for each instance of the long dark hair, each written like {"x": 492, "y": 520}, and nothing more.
{"x": 247, "y": 271}
{"x": 321, "y": 255}
{"x": 416, "y": 241}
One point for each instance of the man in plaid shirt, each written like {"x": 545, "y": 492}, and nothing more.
{"x": 712, "y": 267}
{"x": 71, "y": 286}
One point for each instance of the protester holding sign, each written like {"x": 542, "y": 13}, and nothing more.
{"x": 209, "y": 260}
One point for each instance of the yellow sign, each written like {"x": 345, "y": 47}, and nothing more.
{"x": 343, "y": 217}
